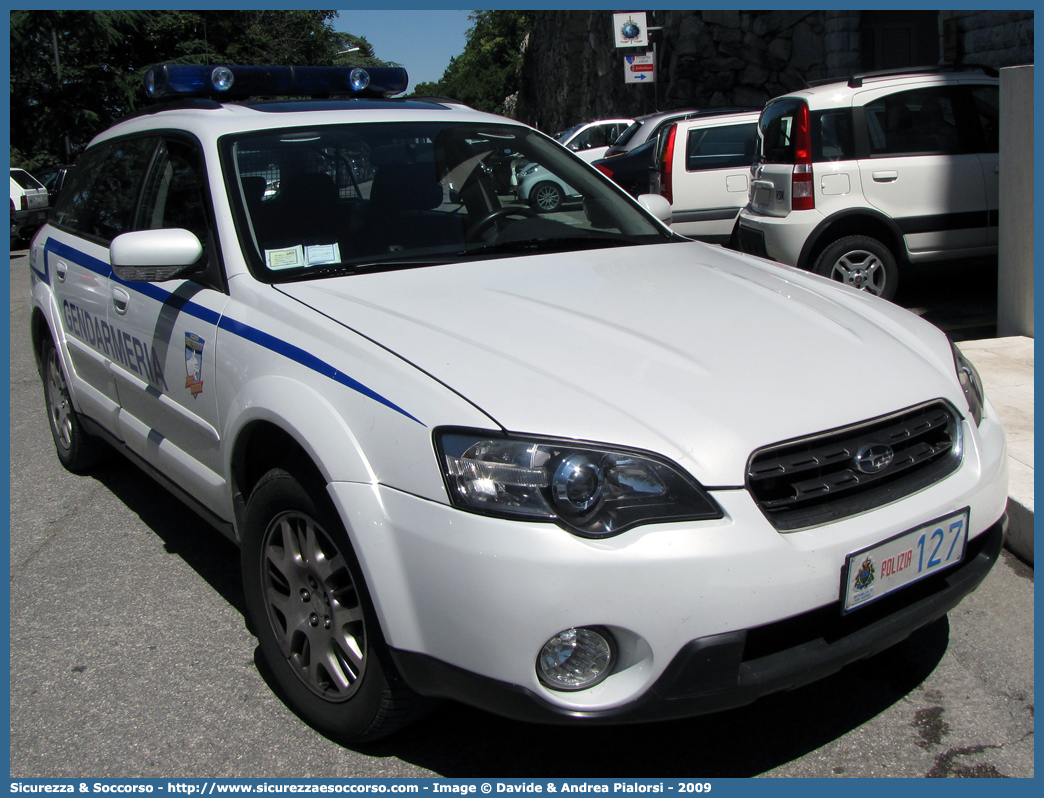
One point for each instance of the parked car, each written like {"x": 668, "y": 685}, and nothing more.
{"x": 570, "y": 468}
{"x": 854, "y": 178}
{"x": 54, "y": 178}
{"x": 632, "y": 171}
{"x": 702, "y": 166}
{"x": 648, "y": 128}
{"x": 592, "y": 138}
{"x": 30, "y": 202}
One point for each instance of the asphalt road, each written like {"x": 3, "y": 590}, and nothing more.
{"x": 130, "y": 658}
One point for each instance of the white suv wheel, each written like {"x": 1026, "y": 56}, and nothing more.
{"x": 862, "y": 262}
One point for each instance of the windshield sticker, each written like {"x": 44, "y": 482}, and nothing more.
{"x": 322, "y": 253}
{"x": 286, "y": 258}
{"x": 194, "y": 363}
{"x": 294, "y": 257}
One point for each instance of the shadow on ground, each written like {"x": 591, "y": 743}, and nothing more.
{"x": 458, "y": 741}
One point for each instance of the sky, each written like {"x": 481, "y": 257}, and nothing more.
{"x": 421, "y": 40}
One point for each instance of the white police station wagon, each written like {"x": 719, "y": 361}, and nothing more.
{"x": 566, "y": 467}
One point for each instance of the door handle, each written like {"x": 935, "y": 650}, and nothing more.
{"x": 886, "y": 177}
{"x": 120, "y": 300}
{"x": 61, "y": 268}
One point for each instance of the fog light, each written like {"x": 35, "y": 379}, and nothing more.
{"x": 575, "y": 659}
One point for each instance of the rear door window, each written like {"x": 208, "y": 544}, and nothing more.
{"x": 100, "y": 201}
{"x": 918, "y": 122}
{"x": 985, "y": 102}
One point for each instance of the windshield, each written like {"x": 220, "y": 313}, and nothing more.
{"x": 339, "y": 199}
{"x": 565, "y": 135}
{"x": 628, "y": 134}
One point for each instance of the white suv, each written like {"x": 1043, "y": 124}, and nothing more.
{"x": 855, "y": 177}
{"x": 702, "y": 167}
{"x": 558, "y": 466}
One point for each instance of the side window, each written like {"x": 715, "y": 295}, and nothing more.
{"x": 100, "y": 200}
{"x": 986, "y": 104}
{"x": 832, "y": 136}
{"x": 922, "y": 121}
{"x": 583, "y": 140}
{"x": 607, "y": 134}
{"x": 173, "y": 195}
{"x": 725, "y": 147}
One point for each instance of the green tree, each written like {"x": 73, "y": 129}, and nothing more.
{"x": 101, "y": 57}
{"x": 488, "y": 72}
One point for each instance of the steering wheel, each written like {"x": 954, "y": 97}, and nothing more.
{"x": 494, "y": 216}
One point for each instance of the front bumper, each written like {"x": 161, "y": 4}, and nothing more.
{"x": 467, "y": 601}
{"x": 724, "y": 671}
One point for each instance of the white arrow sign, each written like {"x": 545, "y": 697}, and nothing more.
{"x": 639, "y": 68}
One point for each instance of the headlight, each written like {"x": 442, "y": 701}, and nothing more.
{"x": 590, "y": 490}
{"x": 971, "y": 383}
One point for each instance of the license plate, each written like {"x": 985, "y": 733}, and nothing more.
{"x": 762, "y": 195}
{"x": 906, "y": 558}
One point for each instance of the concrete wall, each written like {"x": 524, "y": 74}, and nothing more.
{"x": 1015, "y": 262}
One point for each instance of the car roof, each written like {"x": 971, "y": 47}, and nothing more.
{"x": 828, "y": 93}
{"x": 209, "y": 119}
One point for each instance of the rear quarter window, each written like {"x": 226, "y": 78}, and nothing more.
{"x": 832, "y": 138}
{"x": 725, "y": 147}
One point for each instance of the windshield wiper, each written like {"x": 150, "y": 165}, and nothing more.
{"x": 390, "y": 265}
{"x": 563, "y": 244}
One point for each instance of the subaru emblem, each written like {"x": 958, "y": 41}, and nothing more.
{"x": 874, "y": 458}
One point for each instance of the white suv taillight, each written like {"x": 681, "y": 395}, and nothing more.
{"x": 665, "y": 163}
{"x": 802, "y": 186}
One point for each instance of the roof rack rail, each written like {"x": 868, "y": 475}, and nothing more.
{"x": 856, "y": 80}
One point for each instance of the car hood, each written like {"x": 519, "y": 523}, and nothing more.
{"x": 688, "y": 350}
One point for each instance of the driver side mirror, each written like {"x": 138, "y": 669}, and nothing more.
{"x": 658, "y": 206}
{"x": 154, "y": 256}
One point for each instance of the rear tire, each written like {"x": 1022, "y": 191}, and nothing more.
{"x": 313, "y": 616}
{"x": 862, "y": 262}
{"x": 77, "y": 450}
{"x": 545, "y": 197}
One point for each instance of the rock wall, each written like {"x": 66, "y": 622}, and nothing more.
{"x": 572, "y": 72}
{"x": 996, "y": 38}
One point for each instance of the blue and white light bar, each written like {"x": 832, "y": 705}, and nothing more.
{"x": 172, "y": 81}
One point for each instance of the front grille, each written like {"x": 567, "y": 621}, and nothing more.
{"x": 815, "y": 480}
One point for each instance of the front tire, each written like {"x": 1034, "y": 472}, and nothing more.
{"x": 862, "y": 262}
{"x": 313, "y": 616}
{"x": 77, "y": 449}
